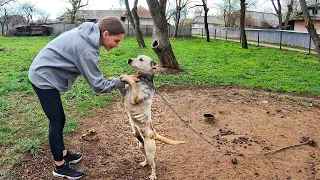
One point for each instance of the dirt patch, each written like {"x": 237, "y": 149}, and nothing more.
{"x": 247, "y": 124}
{"x": 4, "y": 50}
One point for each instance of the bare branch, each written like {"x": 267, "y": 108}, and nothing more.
{"x": 197, "y": 6}
{"x": 76, "y": 5}
{"x": 4, "y": 2}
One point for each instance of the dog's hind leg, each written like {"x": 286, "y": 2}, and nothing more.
{"x": 150, "y": 149}
{"x": 136, "y": 134}
{"x": 141, "y": 147}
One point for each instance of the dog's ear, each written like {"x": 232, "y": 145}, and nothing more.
{"x": 154, "y": 65}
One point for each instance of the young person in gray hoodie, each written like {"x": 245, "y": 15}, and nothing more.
{"x": 56, "y": 68}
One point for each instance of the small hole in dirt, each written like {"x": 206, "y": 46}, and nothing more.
{"x": 208, "y": 115}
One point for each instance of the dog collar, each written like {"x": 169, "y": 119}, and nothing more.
{"x": 146, "y": 80}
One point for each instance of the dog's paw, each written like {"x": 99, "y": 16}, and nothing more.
{"x": 144, "y": 163}
{"x": 124, "y": 77}
{"x": 136, "y": 100}
{"x": 152, "y": 177}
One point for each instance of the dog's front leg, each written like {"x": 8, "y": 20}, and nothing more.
{"x": 134, "y": 90}
{"x": 122, "y": 90}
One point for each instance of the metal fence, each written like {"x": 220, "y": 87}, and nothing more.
{"x": 62, "y": 27}
{"x": 267, "y": 36}
{"x": 146, "y": 30}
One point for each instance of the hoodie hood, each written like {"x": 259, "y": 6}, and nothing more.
{"x": 90, "y": 32}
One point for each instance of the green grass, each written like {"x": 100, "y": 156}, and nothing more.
{"x": 23, "y": 125}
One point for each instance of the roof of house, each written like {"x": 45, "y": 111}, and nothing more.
{"x": 301, "y": 18}
{"x": 99, "y": 14}
{"x": 13, "y": 18}
{"x": 210, "y": 19}
{"x": 142, "y": 13}
{"x": 259, "y": 17}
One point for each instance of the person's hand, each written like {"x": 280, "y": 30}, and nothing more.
{"x": 136, "y": 78}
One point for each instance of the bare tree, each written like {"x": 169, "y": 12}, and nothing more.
{"x": 135, "y": 22}
{"x": 229, "y": 10}
{"x": 277, "y": 8}
{"x": 310, "y": 26}
{"x": 29, "y": 10}
{"x": 43, "y": 17}
{"x": 290, "y": 10}
{"x": 4, "y": 2}
{"x": 279, "y": 11}
{"x": 206, "y": 26}
{"x": 198, "y": 11}
{"x": 170, "y": 11}
{"x": 161, "y": 43}
{"x": 242, "y": 24}
{"x": 177, "y": 17}
{"x": 4, "y": 21}
{"x": 179, "y": 7}
{"x": 76, "y": 5}
{"x": 11, "y": 18}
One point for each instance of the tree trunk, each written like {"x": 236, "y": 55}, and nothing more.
{"x": 310, "y": 27}
{"x": 290, "y": 9}
{"x": 161, "y": 43}
{"x": 76, "y": 5}
{"x": 278, "y": 11}
{"x": 178, "y": 9}
{"x": 242, "y": 24}
{"x": 137, "y": 30}
{"x": 129, "y": 16}
{"x": 206, "y": 27}
{"x": 4, "y": 22}
{"x": 73, "y": 16}
{"x": 2, "y": 29}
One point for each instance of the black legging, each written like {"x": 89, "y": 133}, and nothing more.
{"x": 51, "y": 104}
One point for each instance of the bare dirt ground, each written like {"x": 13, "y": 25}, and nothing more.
{"x": 248, "y": 124}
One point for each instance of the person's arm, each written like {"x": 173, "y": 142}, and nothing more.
{"x": 88, "y": 66}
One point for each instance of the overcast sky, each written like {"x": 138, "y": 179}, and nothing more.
{"x": 56, "y": 7}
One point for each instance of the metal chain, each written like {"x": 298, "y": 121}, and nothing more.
{"x": 181, "y": 119}
{"x": 309, "y": 141}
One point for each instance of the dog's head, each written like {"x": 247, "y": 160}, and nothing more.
{"x": 143, "y": 64}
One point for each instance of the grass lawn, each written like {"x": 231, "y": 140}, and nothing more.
{"x": 23, "y": 125}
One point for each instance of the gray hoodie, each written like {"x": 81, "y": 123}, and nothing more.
{"x": 73, "y": 53}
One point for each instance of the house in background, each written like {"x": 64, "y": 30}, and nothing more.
{"x": 254, "y": 19}
{"x": 144, "y": 14}
{"x": 9, "y": 23}
{"x": 95, "y": 15}
{"x": 297, "y": 23}
{"x": 263, "y": 20}
{"x": 213, "y": 22}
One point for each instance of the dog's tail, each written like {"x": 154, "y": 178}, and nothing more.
{"x": 166, "y": 140}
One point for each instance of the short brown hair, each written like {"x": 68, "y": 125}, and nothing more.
{"x": 111, "y": 24}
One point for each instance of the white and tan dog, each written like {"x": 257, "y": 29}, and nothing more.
{"x": 138, "y": 101}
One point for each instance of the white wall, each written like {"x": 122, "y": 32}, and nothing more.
{"x": 143, "y": 22}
